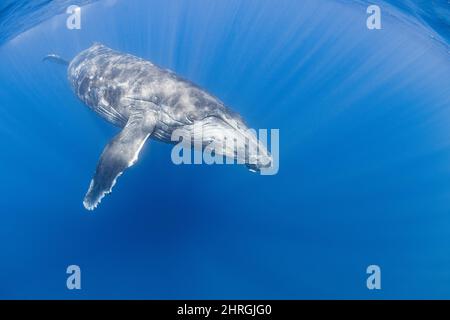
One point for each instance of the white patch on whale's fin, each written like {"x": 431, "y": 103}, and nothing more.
{"x": 120, "y": 153}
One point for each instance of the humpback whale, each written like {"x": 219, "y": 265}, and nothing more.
{"x": 147, "y": 101}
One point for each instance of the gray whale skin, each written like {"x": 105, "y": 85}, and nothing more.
{"x": 147, "y": 101}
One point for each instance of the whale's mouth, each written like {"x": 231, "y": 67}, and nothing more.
{"x": 253, "y": 167}
{"x": 245, "y": 145}
{"x": 257, "y": 166}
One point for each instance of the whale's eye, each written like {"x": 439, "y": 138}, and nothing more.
{"x": 190, "y": 117}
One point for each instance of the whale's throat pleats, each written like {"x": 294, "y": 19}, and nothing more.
{"x": 120, "y": 153}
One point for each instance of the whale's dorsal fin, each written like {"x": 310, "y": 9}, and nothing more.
{"x": 55, "y": 58}
{"x": 120, "y": 153}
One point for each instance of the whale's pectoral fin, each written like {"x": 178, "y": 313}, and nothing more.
{"x": 121, "y": 153}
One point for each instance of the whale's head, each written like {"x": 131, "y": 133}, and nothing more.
{"x": 229, "y": 135}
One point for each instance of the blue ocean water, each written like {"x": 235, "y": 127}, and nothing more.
{"x": 364, "y": 154}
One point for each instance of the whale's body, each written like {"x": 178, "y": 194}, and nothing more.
{"x": 114, "y": 84}
{"x": 146, "y": 101}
